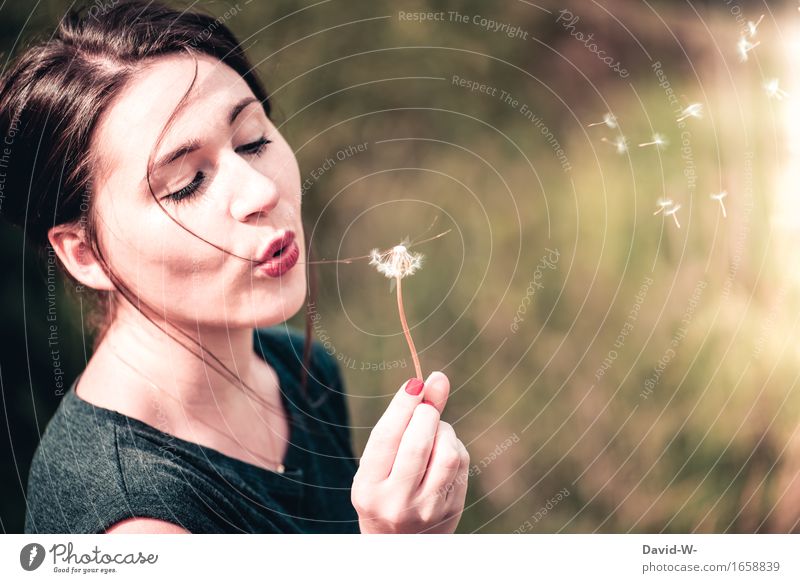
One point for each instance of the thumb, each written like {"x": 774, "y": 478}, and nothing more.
{"x": 437, "y": 389}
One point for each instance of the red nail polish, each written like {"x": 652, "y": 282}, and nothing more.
{"x": 414, "y": 386}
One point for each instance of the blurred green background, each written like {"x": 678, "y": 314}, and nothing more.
{"x": 649, "y": 381}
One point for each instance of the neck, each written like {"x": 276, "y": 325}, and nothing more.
{"x": 188, "y": 398}
{"x": 193, "y": 379}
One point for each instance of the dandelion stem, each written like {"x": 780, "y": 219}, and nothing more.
{"x": 414, "y": 356}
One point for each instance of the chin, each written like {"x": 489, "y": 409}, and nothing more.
{"x": 289, "y": 301}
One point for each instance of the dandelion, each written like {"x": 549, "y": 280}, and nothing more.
{"x": 609, "y": 120}
{"x": 672, "y": 212}
{"x": 396, "y": 264}
{"x": 620, "y": 143}
{"x": 663, "y": 204}
{"x": 752, "y": 26}
{"x": 774, "y": 90}
{"x": 744, "y": 46}
{"x": 719, "y": 197}
{"x": 693, "y": 110}
{"x": 658, "y": 140}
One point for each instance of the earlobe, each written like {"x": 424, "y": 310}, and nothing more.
{"x": 75, "y": 253}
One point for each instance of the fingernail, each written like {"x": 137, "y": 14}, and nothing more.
{"x": 414, "y": 386}
{"x": 433, "y": 374}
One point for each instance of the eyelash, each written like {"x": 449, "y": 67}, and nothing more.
{"x": 193, "y": 188}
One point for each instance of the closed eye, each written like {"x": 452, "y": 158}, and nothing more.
{"x": 254, "y": 148}
{"x": 188, "y": 191}
{"x": 193, "y": 188}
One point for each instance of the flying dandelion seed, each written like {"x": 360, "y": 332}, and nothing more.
{"x": 620, "y": 143}
{"x": 397, "y": 263}
{"x": 773, "y": 89}
{"x": 718, "y": 197}
{"x": 672, "y": 212}
{"x": 753, "y": 26}
{"x": 744, "y": 47}
{"x": 609, "y": 120}
{"x": 693, "y": 110}
{"x": 658, "y": 141}
{"x": 663, "y": 204}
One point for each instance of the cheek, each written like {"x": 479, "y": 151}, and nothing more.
{"x": 285, "y": 162}
{"x": 158, "y": 258}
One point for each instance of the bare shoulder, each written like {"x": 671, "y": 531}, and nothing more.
{"x": 142, "y": 525}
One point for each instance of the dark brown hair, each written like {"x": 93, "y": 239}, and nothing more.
{"x": 51, "y": 98}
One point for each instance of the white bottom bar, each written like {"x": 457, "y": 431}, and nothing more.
{"x": 411, "y": 558}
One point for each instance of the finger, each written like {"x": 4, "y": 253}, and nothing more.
{"x": 415, "y": 448}
{"x": 437, "y": 389}
{"x": 458, "y": 494}
{"x": 450, "y": 498}
{"x": 444, "y": 463}
{"x": 381, "y": 448}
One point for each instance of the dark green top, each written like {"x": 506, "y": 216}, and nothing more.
{"x": 94, "y": 466}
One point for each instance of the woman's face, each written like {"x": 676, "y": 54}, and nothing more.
{"x": 231, "y": 189}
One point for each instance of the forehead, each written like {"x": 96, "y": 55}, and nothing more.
{"x": 127, "y": 131}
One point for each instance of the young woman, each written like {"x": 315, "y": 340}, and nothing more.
{"x": 142, "y": 153}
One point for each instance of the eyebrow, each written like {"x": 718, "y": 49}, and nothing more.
{"x": 191, "y": 145}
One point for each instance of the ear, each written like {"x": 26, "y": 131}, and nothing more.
{"x": 76, "y": 254}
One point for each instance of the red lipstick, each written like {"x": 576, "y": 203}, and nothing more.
{"x": 279, "y": 256}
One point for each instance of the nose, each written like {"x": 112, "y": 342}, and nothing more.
{"x": 254, "y": 196}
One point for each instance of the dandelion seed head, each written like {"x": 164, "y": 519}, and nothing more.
{"x": 719, "y": 195}
{"x": 396, "y": 262}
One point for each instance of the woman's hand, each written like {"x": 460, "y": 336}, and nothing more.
{"x": 413, "y": 474}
